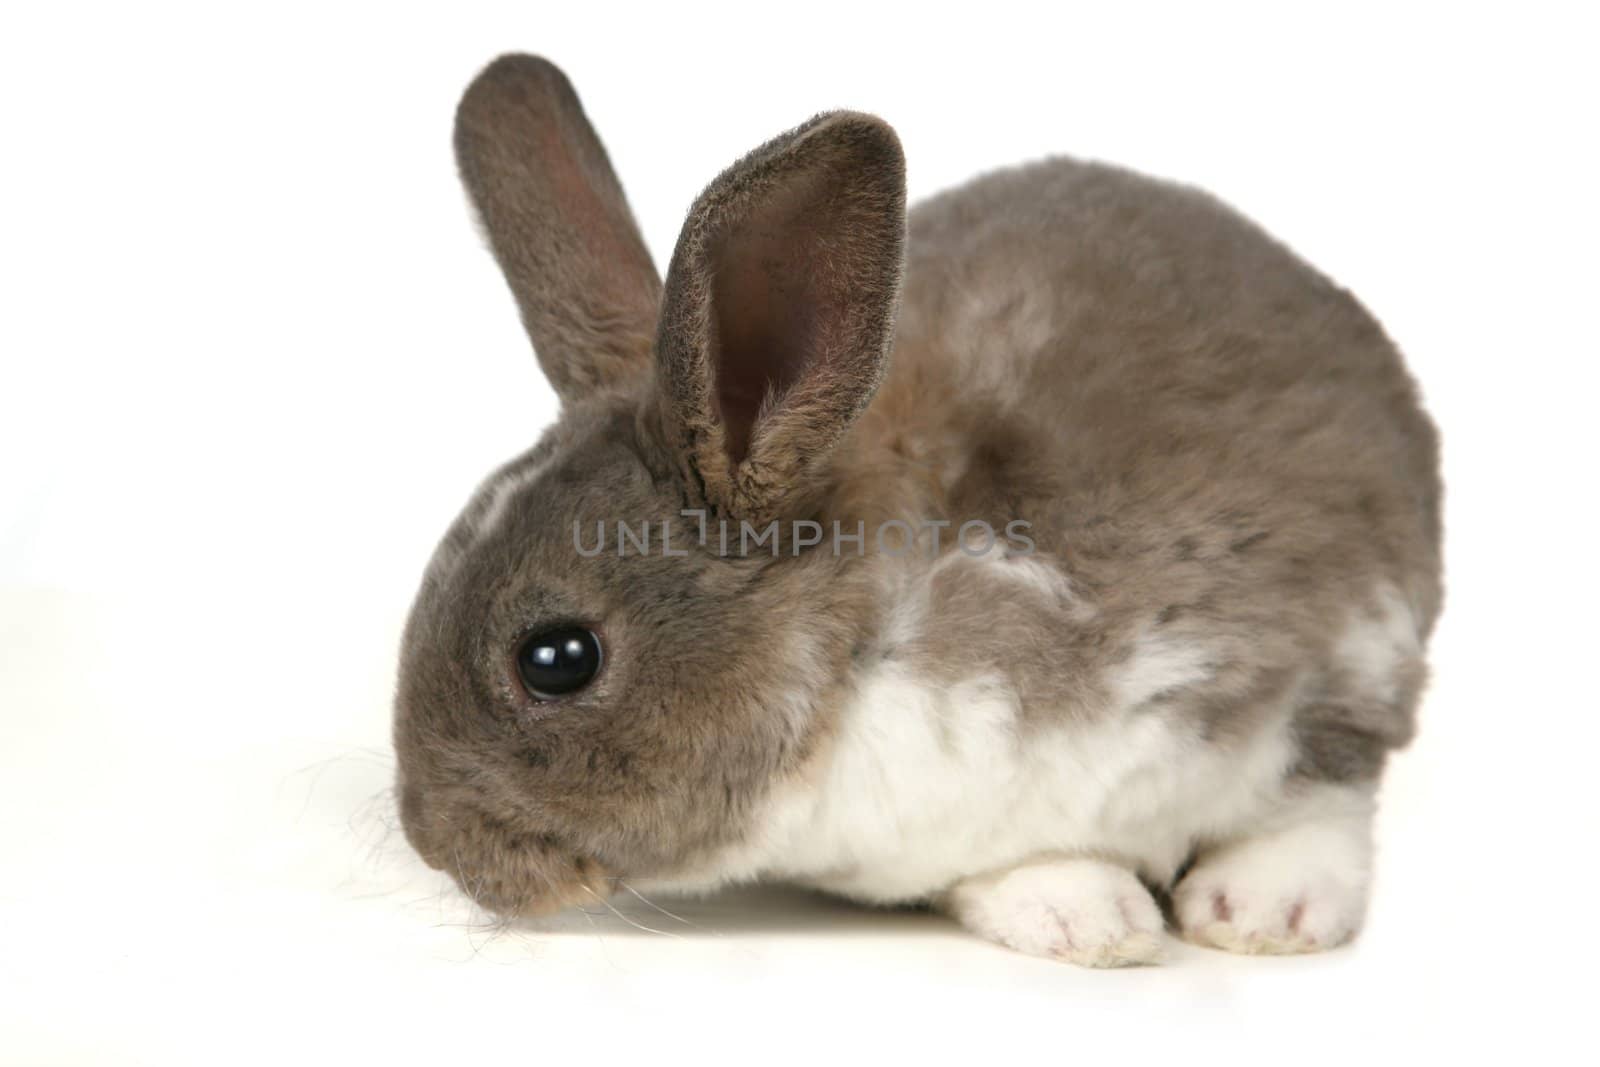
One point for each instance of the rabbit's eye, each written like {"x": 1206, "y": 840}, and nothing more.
{"x": 558, "y": 662}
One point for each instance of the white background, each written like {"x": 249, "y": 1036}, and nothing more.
{"x": 255, "y": 357}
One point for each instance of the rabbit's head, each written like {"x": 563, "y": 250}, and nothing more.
{"x": 575, "y": 704}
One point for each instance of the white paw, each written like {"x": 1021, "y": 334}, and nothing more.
{"x": 1084, "y": 911}
{"x": 1272, "y": 897}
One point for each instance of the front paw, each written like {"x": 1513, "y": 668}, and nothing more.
{"x": 1265, "y": 901}
{"x": 1084, "y": 911}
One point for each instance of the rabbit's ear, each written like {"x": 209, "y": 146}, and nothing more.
{"x": 779, "y": 309}
{"x": 558, "y": 223}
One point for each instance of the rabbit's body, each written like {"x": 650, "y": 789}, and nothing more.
{"x": 1187, "y": 518}
{"x": 1236, "y": 527}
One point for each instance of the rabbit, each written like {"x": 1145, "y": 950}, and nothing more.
{"x": 1060, "y": 555}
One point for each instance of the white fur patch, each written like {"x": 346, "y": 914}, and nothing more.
{"x": 1014, "y": 571}
{"x": 502, "y": 490}
{"x": 1378, "y": 644}
{"x": 1158, "y": 664}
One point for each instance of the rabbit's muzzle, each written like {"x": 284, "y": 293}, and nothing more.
{"x": 501, "y": 866}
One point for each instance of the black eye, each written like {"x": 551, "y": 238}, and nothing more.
{"x": 558, "y": 662}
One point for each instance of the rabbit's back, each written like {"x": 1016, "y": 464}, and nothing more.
{"x": 1211, "y": 439}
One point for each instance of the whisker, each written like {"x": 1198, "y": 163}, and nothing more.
{"x": 482, "y": 919}
{"x": 656, "y": 906}
{"x": 600, "y": 938}
{"x": 636, "y": 925}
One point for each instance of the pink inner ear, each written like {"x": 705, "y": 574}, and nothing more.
{"x": 773, "y": 305}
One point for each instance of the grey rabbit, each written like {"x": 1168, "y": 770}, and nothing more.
{"x": 1062, "y": 545}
